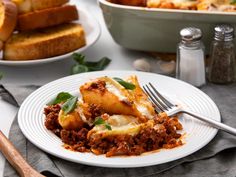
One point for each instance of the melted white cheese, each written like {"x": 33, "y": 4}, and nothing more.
{"x": 120, "y": 124}
{"x": 81, "y": 112}
{"x": 180, "y": 1}
{"x": 144, "y": 111}
{"x": 111, "y": 88}
{"x": 120, "y": 120}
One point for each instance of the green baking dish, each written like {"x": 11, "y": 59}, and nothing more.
{"x": 149, "y": 29}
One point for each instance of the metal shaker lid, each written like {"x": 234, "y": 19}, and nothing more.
{"x": 191, "y": 34}
{"x": 224, "y": 32}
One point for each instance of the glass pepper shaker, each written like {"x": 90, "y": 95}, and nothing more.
{"x": 222, "y": 63}
{"x": 190, "y": 65}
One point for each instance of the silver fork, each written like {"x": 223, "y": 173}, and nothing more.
{"x": 163, "y": 105}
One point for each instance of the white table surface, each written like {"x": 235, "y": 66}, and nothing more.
{"x": 122, "y": 59}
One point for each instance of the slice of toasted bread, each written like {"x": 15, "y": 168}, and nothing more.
{"x": 8, "y": 17}
{"x": 47, "y": 17}
{"x": 44, "y": 4}
{"x": 25, "y": 6}
{"x": 44, "y": 43}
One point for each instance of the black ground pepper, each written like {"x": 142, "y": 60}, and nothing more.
{"x": 222, "y": 65}
{"x": 222, "y": 68}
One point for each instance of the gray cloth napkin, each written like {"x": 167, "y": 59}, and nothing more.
{"x": 216, "y": 159}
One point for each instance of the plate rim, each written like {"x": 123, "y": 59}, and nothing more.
{"x": 96, "y": 26}
{"x": 84, "y": 75}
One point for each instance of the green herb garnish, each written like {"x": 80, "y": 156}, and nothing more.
{"x": 100, "y": 121}
{"x": 125, "y": 84}
{"x": 108, "y": 126}
{"x": 1, "y": 75}
{"x": 82, "y": 66}
{"x": 61, "y": 97}
{"x": 70, "y": 104}
{"x": 79, "y": 69}
{"x": 233, "y": 2}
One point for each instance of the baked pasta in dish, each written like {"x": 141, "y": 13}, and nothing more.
{"x": 113, "y": 117}
{"x": 208, "y": 5}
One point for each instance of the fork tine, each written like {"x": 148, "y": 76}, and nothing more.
{"x": 169, "y": 104}
{"x": 156, "y": 104}
{"x": 162, "y": 104}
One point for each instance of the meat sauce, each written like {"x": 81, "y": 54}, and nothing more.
{"x": 162, "y": 135}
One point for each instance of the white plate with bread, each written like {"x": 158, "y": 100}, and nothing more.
{"x": 44, "y": 32}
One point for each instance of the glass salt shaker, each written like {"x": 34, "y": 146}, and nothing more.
{"x": 190, "y": 65}
{"x": 222, "y": 63}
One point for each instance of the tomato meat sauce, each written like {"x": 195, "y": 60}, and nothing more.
{"x": 163, "y": 135}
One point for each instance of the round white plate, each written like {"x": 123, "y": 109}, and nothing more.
{"x": 197, "y": 134}
{"x": 92, "y": 32}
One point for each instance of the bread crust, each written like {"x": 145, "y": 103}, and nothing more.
{"x": 9, "y": 19}
{"x": 50, "y": 45}
{"x": 26, "y": 6}
{"x": 48, "y": 17}
{"x": 44, "y": 4}
{"x": 1, "y": 45}
{"x": 23, "y": 6}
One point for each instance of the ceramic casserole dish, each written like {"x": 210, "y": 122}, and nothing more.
{"x": 153, "y": 29}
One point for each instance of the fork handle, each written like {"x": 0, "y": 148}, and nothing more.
{"x": 212, "y": 122}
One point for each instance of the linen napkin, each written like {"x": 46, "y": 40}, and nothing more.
{"x": 216, "y": 159}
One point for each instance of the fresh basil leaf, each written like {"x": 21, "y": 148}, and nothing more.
{"x": 99, "y": 65}
{"x": 127, "y": 85}
{"x": 99, "y": 121}
{"x": 76, "y": 69}
{"x": 82, "y": 66}
{"x": 233, "y": 2}
{"x": 69, "y": 105}
{"x": 61, "y": 97}
{"x": 79, "y": 58}
{"x": 108, "y": 126}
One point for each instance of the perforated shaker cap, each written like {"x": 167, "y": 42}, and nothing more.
{"x": 190, "y": 34}
{"x": 224, "y": 32}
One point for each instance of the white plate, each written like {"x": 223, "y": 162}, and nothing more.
{"x": 198, "y": 134}
{"x": 92, "y": 30}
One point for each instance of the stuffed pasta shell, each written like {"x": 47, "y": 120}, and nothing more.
{"x": 112, "y": 117}
{"x": 115, "y": 98}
